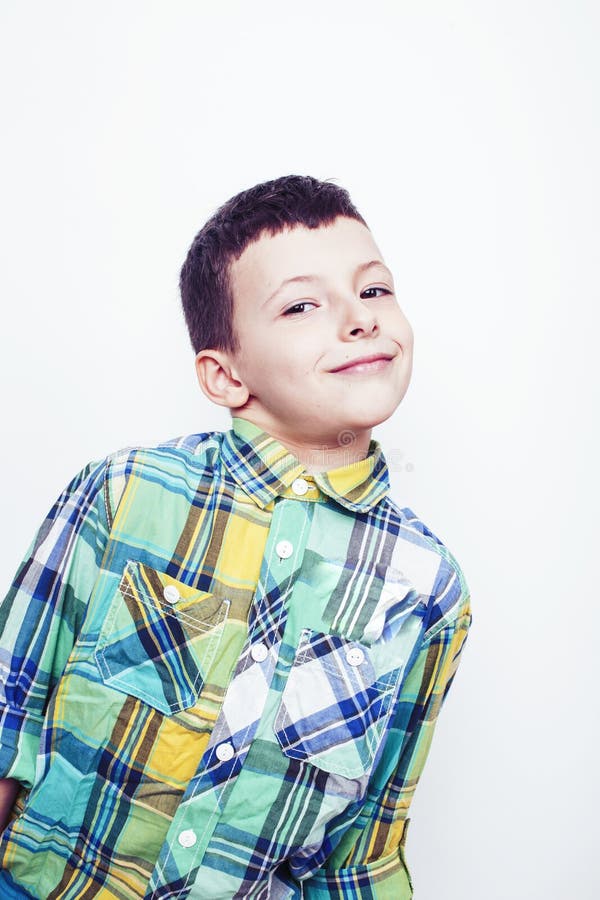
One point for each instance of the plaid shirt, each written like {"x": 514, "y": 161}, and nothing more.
{"x": 220, "y": 676}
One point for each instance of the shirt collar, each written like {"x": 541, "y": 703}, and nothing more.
{"x": 265, "y": 469}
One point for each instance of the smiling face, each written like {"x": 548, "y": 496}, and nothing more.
{"x": 306, "y": 303}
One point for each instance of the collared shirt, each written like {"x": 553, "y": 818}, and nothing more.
{"x": 220, "y": 677}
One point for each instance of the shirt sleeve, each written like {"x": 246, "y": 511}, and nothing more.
{"x": 41, "y": 614}
{"x": 370, "y": 861}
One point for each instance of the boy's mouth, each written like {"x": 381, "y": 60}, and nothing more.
{"x": 373, "y": 363}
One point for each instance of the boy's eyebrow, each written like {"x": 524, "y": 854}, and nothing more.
{"x": 373, "y": 263}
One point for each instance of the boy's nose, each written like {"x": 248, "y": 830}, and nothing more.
{"x": 358, "y": 317}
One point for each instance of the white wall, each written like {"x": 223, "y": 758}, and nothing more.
{"x": 468, "y": 134}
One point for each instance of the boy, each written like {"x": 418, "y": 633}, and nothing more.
{"x": 223, "y": 657}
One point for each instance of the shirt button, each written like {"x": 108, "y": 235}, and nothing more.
{"x": 224, "y": 752}
{"x": 284, "y": 549}
{"x": 187, "y": 838}
{"x": 355, "y": 656}
{"x": 299, "y": 486}
{"x": 259, "y": 652}
{"x": 171, "y": 595}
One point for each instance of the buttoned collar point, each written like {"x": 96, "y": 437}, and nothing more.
{"x": 266, "y": 469}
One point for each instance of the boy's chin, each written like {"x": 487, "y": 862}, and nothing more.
{"x": 363, "y": 420}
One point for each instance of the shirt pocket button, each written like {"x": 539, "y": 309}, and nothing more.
{"x": 171, "y": 594}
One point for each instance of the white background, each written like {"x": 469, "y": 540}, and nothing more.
{"x": 468, "y": 136}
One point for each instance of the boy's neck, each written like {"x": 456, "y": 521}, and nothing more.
{"x": 349, "y": 447}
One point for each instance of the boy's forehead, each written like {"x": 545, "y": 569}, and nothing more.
{"x": 338, "y": 248}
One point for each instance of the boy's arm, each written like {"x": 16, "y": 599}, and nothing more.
{"x": 42, "y": 612}
{"x": 370, "y": 859}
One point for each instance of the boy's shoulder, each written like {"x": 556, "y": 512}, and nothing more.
{"x": 187, "y": 458}
{"x": 413, "y": 530}
{"x": 430, "y": 565}
{"x": 197, "y": 445}
{"x": 198, "y": 451}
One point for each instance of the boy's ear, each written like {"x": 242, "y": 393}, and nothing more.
{"x": 219, "y": 380}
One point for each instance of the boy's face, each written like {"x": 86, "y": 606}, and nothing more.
{"x": 294, "y": 336}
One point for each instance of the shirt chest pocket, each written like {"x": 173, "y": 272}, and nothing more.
{"x": 159, "y": 638}
{"x": 334, "y": 706}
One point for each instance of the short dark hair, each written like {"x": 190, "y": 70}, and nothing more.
{"x": 206, "y": 294}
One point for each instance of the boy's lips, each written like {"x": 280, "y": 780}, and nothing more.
{"x": 372, "y": 363}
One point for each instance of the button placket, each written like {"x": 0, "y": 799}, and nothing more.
{"x": 291, "y": 518}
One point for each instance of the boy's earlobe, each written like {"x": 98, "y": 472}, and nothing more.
{"x": 219, "y": 380}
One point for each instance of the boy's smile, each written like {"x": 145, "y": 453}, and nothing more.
{"x": 326, "y": 351}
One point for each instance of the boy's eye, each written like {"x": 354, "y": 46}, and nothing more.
{"x": 297, "y": 306}
{"x": 385, "y": 290}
